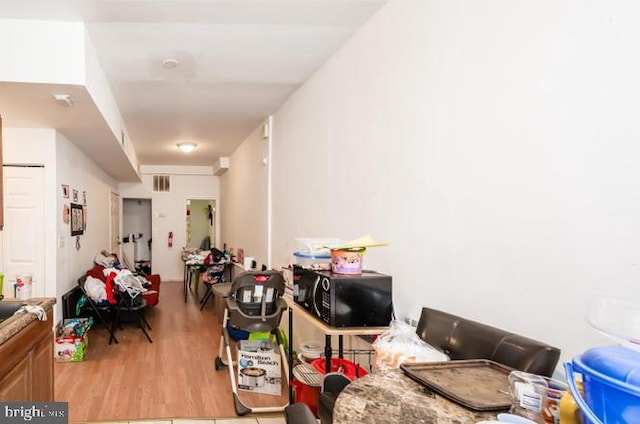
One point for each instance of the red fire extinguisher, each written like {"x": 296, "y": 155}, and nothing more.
{"x": 170, "y": 241}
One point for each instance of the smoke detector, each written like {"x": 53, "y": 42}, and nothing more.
{"x": 63, "y": 99}
{"x": 169, "y": 63}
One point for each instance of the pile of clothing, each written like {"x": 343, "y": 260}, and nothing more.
{"x": 129, "y": 285}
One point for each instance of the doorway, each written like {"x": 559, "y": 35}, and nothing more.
{"x": 136, "y": 234}
{"x": 201, "y": 223}
{"x": 23, "y": 235}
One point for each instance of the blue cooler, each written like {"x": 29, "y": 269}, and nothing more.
{"x": 611, "y": 381}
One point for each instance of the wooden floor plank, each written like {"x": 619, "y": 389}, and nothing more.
{"x": 172, "y": 377}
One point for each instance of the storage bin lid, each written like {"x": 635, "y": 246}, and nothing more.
{"x": 312, "y": 255}
{"x": 615, "y": 362}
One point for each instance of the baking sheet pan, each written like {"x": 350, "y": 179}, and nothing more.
{"x": 478, "y": 384}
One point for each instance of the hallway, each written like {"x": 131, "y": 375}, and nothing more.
{"x": 173, "y": 377}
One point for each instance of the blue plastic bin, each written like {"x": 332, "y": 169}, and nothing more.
{"x": 236, "y": 333}
{"x": 611, "y": 381}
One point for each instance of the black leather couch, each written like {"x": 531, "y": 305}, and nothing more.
{"x": 459, "y": 338}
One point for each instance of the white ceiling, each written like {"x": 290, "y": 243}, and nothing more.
{"x": 238, "y": 61}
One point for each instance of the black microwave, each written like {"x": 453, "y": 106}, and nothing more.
{"x": 344, "y": 300}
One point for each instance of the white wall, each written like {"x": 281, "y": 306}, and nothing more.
{"x": 493, "y": 143}
{"x": 169, "y": 211}
{"x": 76, "y": 170}
{"x": 243, "y": 209}
{"x": 63, "y": 164}
{"x": 48, "y": 52}
{"x": 100, "y": 90}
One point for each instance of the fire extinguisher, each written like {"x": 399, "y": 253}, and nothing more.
{"x": 170, "y": 240}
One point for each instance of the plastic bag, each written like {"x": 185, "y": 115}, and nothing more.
{"x": 401, "y": 344}
{"x": 95, "y": 289}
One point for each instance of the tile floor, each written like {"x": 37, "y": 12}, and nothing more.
{"x": 270, "y": 420}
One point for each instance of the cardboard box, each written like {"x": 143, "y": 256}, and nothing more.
{"x": 72, "y": 347}
{"x": 259, "y": 367}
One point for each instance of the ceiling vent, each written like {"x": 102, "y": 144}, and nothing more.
{"x": 161, "y": 184}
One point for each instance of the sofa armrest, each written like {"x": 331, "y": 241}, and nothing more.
{"x": 527, "y": 355}
{"x": 154, "y": 279}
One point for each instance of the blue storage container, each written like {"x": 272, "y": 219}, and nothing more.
{"x": 611, "y": 381}
{"x": 237, "y": 333}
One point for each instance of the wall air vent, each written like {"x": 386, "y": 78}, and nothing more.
{"x": 161, "y": 184}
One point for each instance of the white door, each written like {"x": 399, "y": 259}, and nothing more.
{"x": 23, "y": 236}
{"x": 115, "y": 223}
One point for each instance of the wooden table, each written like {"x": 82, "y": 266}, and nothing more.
{"x": 328, "y": 330}
{"x": 390, "y": 397}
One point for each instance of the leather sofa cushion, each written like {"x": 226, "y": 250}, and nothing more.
{"x": 461, "y": 338}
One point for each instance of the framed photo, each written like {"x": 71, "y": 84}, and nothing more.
{"x": 77, "y": 220}
{"x": 84, "y": 197}
{"x": 65, "y": 191}
{"x": 74, "y": 199}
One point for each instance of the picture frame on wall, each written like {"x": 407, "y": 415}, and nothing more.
{"x": 75, "y": 196}
{"x": 65, "y": 191}
{"x": 77, "y": 220}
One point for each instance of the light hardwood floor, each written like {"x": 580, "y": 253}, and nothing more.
{"x": 173, "y": 377}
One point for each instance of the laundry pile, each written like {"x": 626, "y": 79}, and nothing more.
{"x": 128, "y": 284}
{"x": 193, "y": 256}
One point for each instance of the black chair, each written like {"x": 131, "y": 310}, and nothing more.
{"x": 105, "y": 313}
{"x": 332, "y": 384}
{"x": 136, "y": 306}
{"x": 213, "y": 275}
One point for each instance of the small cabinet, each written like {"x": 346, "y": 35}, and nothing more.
{"x": 26, "y": 364}
{"x": 15, "y": 386}
{"x": 42, "y": 375}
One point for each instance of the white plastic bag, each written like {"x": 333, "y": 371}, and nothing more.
{"x": 401, "y": 344}
{"x": 95, "y": 289}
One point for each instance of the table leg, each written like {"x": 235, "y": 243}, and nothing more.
{"x": 228, "y": 270}
{"x": 290, "y": 370}
{"x": 340, "y": 347}
{"x": 327, "y": 353}
{"x": 184, "y": 281}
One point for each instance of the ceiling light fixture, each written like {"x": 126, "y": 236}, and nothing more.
{"x": 63, "y": 100}
{"x": 186, "y": 147}
{"x": 169, "y": 63}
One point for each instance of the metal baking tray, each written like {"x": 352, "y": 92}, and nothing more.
{"x": 478, "y": 384}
